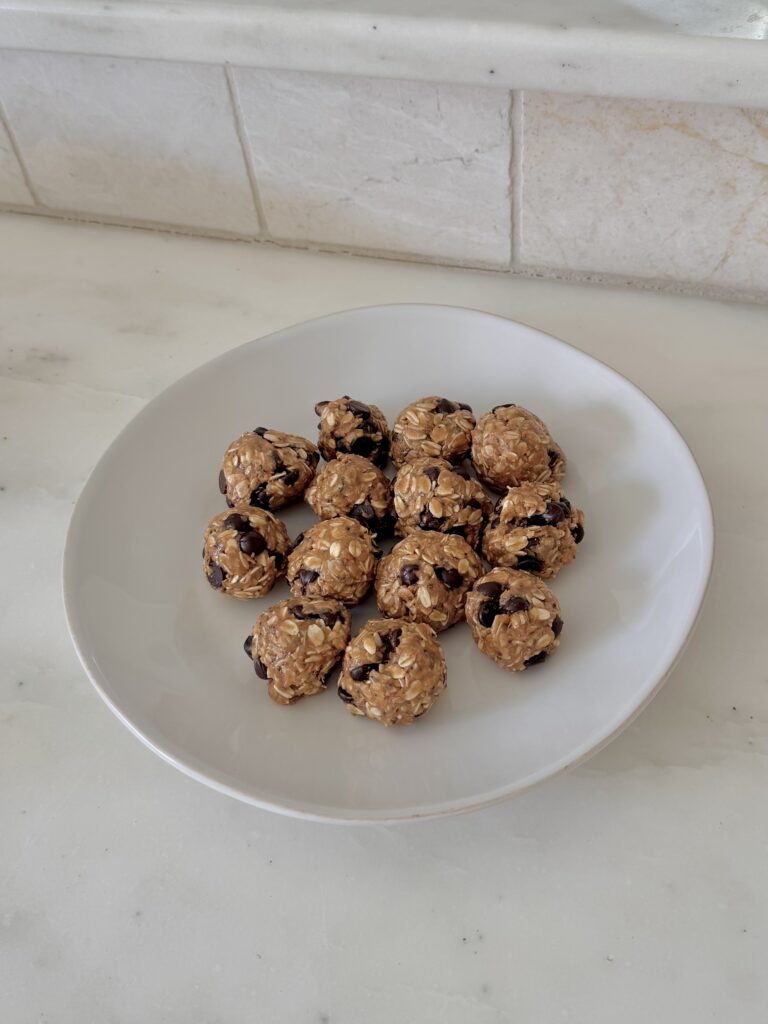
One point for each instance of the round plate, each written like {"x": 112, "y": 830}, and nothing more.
{"x": 164, "y": 650}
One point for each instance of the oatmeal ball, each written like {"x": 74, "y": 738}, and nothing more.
{"x": 335, "y": 558}
{"x": 351, "y": 486}
{"x": 244, "y": 552}
{"x": 432, "y": 426}
{"x": 426, "y": 577}
{"x": 296, "y": 644}
{"x": 511, "y": 446}
{"x": 267, "y": 468}
{"x": 514, "y": 618}
{"x": 351, "y": 427}
{"x": 535, "y": 528}
{"x": 393, "y": 671}
{"x": 430, "y": 494}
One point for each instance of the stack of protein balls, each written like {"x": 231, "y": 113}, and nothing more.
{"x": 393, "y": 670}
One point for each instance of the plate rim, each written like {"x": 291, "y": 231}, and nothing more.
{"x": 373, "y": 817}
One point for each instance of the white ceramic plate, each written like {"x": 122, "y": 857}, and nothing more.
{"x": 165, "y": 651}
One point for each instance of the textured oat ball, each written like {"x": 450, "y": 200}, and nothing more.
{"x": 352, "y": 486}
{"x": 514, "y": 618}
{"x": 511, "y": 446}
{"x": 535, "y": 528}
{"x": 244, "y": 552}
{"x": 426, "y": 577}
{"x": 335, "y": 558}
{"x": 430, "y": 494}
{"x": 434, "y": 427}
{"x": 351, "y": 427}
{"x": 296, "y": 644}
{"x": 267, "y": 468}
{"x": 393, "y": 671}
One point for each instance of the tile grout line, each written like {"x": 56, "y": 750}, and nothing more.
{"x": 6, "y": 124}
{"x": 237, "y": 114}
{"x": 516, "y": 172}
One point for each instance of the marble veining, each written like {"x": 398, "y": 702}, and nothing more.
{"x": 632, "y": 889}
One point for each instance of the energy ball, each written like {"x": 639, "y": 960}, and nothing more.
{"x": 514, "y": 618}
{"x": 335, "y": 558}
{"x": 434, "y": 427}
{"x": 426, "y": 577}
{"x": 393, "y": 671}
{"x": 244, "y": 552}
{"x": 430, "y": 494}
{"x": 511, "y": 446}
{"x": 267, "y": 468}
{"x": 534, "y": 528}
{"x": 296, "y": 644}
{"x": 352, "y": 486}
{"x": 351, "y": 427}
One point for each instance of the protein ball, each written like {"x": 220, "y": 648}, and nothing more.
{"x": 335, "y": 558}
{"x": 430, "y": 494}
{"x": 352, "y": 486}
{"x": 426, "y": 578}
{"x": 393, "y": 671}
{"x": 535, "y": 528}
{"x": 511, "y": 446}
{"x": 434, "y": 427}
{"x": 351, "y": 427}
{"x": 267, "y": 468}
{"x": 296, "y": 644}
{"x": 514, "y": 618}
{"x": 244, "y": 552}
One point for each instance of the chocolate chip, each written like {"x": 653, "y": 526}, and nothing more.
{"x": 319, "y": 408}
{"x": 409, "y": 575}
{"x": 528, "y": 563}
{"x": 259, "y": 497}
{"x": 506, "y": 405}
{"x": 363, "y": 446}
{"x": 298, "y": 540}
{"x": 490, "y": 589}
{"x": 359, "y": 408}
{"x": 360, "y": 673}
{"x": 515, "y": 604}
{"x": 346, "y": 697}
{"x": 380, "y": 459}
{"x": 314, "y": 458}
{"x": 465, "y": 407}
{"x": 450, "y": 578}
{"x": 495, "y": 522}
{"x": 557, "y": 626}
{"x": 259, "y": 668}
{"x": 577, "y": 532}
{"x": 473, "y": 503}
{"x": 307, "y": 576}
{"x": 459, "y": 531}
{"x": 278, "y": 558}
{"x": 433, "y": 472}
{"x": 554, "y": 458}
{"x": 363, "y": 512}
{"x": 429, "y": 522}
{"x": 330, "y": 618}
{"x": 487, "y": 613}
{"x": 290, "y": 478}
{"x": 261, "y": 431}
{"x": 444, "y": 406}
{"x": 222, "y": 482}
{"x": 248, "y": 646}
{"x": 252, "y": 543}
{"x": 216, "y": 576}
{"x": 236, "y": 522}
{"x": 390, "y": 641}
{"x": 536, "y": 659}
{"x": 533, "y": 542}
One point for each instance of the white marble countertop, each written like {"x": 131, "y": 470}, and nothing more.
{"x": 698, "y": 50}
{"x": 633, "y": 889}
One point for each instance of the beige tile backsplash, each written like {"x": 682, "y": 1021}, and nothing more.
{"x": 655, "y": 194}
